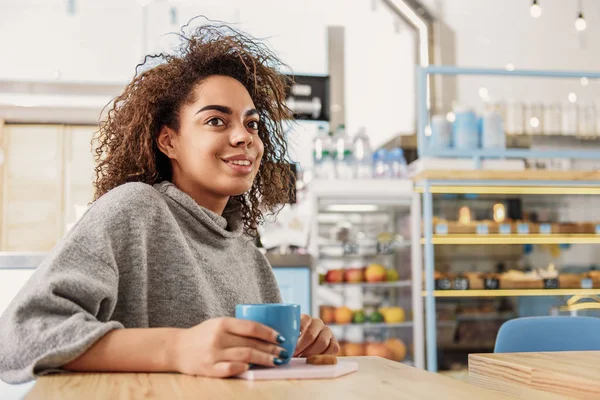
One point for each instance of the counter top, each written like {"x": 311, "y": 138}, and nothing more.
{"x": 376, "y": 378}
{"x": 556, "y": 375}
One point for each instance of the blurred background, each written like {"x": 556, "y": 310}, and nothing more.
{"x": 431, "y": 205}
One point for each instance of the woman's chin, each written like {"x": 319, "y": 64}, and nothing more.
{"x": 237, "y": 188}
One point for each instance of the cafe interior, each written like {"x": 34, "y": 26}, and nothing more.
{"x": 444, "y": 217}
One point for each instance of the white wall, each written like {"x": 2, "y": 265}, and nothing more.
{"x": 492, "y": 33}
{"x": 105, "y": 40}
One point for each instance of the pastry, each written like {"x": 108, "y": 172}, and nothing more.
{"x": 322, "y": 359}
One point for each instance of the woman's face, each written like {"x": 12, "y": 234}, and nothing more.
{"x": 217, "y": 151}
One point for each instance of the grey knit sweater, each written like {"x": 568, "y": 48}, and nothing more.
{"x": 140, "y": 257}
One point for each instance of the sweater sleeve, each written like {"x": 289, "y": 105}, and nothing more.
{"x": 61, "y": 311}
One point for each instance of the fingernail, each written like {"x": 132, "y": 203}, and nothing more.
{"x": 280, "y": 339}
{"x": 284, "y": 354}
{"x": 277, "y": 361}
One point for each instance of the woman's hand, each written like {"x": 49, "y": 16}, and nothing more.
{"x": 224, "y": 347}
{"x": 315, "y": 338}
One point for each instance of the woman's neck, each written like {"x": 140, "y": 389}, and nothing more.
{"x": 203, "y": 198}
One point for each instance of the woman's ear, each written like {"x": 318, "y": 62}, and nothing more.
{"x": 166, "y": 138}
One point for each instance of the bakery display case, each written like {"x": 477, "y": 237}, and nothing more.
{"x": 496, "y": 249}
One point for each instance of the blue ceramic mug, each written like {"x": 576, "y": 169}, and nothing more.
{"x": 284, "y": 318}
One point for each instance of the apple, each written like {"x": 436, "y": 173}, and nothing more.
{"x": 375, "y": 273}
{"x": 354, "y": 275}
{"x": 335, "y": 276}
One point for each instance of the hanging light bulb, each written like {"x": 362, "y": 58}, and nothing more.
{"x": 535, "y": 10}
{"x": 580, "y": 23}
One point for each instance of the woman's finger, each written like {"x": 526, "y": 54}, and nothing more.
{"x": 251, "y": 329}
{"x": 305, "y": 321}
{"x": 333, "y": 348}
{"x": 240, "y": 341}
{"x": 309, "y": 335}
{"x": 249, "y": 355}
{"x": 320, "y": 344}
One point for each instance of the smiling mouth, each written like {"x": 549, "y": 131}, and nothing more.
{"x": 239, "y": 162}
{"x": 240, "y": 167}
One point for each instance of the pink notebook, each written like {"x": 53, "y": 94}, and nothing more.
{"x": 299, "y": 369}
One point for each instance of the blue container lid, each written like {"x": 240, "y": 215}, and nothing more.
{"x": 380, "y": 154}
{"x": 396, "y": 153}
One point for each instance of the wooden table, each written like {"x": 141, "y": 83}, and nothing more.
{"x": 556, "y": 375}
{"x": 376, "y": 379}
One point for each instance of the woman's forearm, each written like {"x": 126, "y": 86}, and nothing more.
{"x": 130, "y": 350}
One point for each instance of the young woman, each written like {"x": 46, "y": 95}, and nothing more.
{"x": 189, "y": 158}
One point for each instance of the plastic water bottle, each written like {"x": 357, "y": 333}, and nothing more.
{"x": 380, "y": 165}
{"x": 344, "y": 163}
{"x": 323, "y": 165}
{"x": 363, "y": 156}
{"x": 397, "y": 163}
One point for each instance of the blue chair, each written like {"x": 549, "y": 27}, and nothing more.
{"x": 529, "y": 334}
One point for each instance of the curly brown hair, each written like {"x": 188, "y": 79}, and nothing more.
{"x": 127, "y": 150}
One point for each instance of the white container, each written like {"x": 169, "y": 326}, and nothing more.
{"x": 344, "y": 162}
{"x": 363, "y": 155}
{"x": 586, "y": 119}
{"x": 552, "y": 124}
{"x": 514, "y": 118}
{"x": 569, "y": 119}
{"x": 533, "y": 119}
{"x": 597, "y": 117}
{"x": 492, "y": 133}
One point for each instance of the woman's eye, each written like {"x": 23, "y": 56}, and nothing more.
{"x": 253, "y": 125}
{"x": 216, "y": 122}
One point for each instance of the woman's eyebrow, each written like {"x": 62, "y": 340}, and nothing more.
{"x": 223, "y": 109}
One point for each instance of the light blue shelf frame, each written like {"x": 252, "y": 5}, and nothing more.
{"x": 477, "y": 155}
{"x": 423, "y": 115}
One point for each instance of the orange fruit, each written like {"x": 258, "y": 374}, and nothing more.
{"x": 397, "y": 347}
{"x": 343, "y": 315}
{"x": 354, "y": 349}
{"x": 376, "y": 349}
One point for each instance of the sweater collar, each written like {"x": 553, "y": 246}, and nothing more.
{"x": 228, "y": 225}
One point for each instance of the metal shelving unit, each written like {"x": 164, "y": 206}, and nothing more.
{"x": 396, "y": 284}
{"x": 369, "y": 325}
{"x": 386, "y": 195}
{"x": 537, "y": 182}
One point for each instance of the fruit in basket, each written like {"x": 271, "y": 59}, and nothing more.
{"x": 393, "y": 315}
{"x": 375, "y": 273}
{"x": 391, "y": 275}
{"x": 343, "y": 315}
{"x": 327, "y": 314}
{"x": 354, "y": 275}
{"x": 376, "y": 349}
{"x": 335, "y": 276}
{"x": 354, "y": 349}
{"x": 359, "y": 317}
{"x": 397, "y": 348}
{"x": 376, "y": 317}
